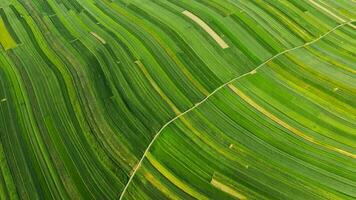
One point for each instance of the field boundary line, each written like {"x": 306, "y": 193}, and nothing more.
{"x": 215, "y": 91}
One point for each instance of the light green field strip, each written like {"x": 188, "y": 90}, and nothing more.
{"x": 98, "y": 37}
{"x": 326, "y": 10}
{"x": 174, "y": 179}
{"x": 210, "y": 31}
{"x": 155, "y": 86}
{"x": 88, "y": 89}
{"x": 227, "y": 189}
{"x": 329, "y": 12}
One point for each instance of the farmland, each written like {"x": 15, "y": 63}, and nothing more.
{"x": 177, "y": 99}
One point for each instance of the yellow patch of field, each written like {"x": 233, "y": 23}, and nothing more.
{"x": 5, "y": 38}
{"x": 160, "y": 186}
{"x": 98, "y": 37}
{"x": 226, "y": 189}
{"x": 327, "y": 10}
{"x": 331, "y": 13}
{"x": 173, "y": 179}
{"x": 207, "y": 28}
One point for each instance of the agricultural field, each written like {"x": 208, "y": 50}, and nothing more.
{"x": 177, "y": 99}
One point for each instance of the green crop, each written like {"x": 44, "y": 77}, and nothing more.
{"x": 177, "y": 99}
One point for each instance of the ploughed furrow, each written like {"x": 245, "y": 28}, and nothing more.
{"x": 93, "y": 92}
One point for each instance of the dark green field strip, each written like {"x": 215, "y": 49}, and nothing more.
{"x": 86, "y": 85}
{"x": 284, "y": 132}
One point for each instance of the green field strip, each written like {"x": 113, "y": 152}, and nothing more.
{"x": 227, "y": 189}
{"x": 344, "y": 8}
{"x": 204, "y": 26}
{"x": 328, "y": 10}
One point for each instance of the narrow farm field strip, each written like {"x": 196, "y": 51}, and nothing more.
{"x": 5, "y": 38}
{"x": 327, "y": 10}
{"x": 227, "y": 189}
{"x": 207, "y": 28}
{"x": 155, "y": 86}
{"x": 331, "y": 13}
{"x": 98, "y": 37}
{"x": 174, "y": 179}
